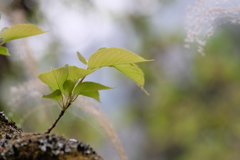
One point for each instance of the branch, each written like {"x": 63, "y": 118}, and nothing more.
{"x": 54, "y": 124}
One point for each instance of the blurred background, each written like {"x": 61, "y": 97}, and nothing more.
{"x": 194, "y": 104}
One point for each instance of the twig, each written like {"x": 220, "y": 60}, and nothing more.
{"x": 56, "y": 121}
{"x": 54, "y": 124}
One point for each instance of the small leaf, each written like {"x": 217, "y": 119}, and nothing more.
{"x": 81, "y": 58}
{"x": 68, "y": 86}
{"x": 92, "y": 94}
{"x": 90, "y": 86}
{"x": 21, "y": 31}
{"x": 55, "y": 78}
{"x": 134, "y": 73}
{"x": 56, "y": 95}
{"x": 76, "y": 73}
{"x": 4, "y": 51}
{"x": 113, "y": 56}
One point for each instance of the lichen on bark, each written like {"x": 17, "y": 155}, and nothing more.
{"x": 17, "y": 145}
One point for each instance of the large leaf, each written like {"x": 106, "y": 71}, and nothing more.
{"x": 21, "y": 31}
{"x": 113, "y": 56}
{"x": 89, "y": 86}
{"x": 92, "y": 94}
{"x": 81, "y": 58}
{"x": 4, "y": 51}
{"x": 56, "y": 95}
{"x": 134, "y": 73}
{"x": 68, "y": 86}
{"x": 76, "y": 73}
{"x": 55, "y": 78}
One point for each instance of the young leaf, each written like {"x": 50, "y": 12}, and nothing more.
{"x": 92, "y": 94}
{"x": 21, "y": 31}
{"x": 89, "y": 86}
{"x": 4, "y": 51}
{"x": 76, "y": 73}
{"x": 113, "y": 56}
{"x": 55, "y": 78}
{"x": 68, "y": 86}
{"x": 134, "y": 73}
{"x": 81, "y": 58}
{"x": 56, "y": 95}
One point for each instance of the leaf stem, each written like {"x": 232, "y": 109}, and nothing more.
{"x": 75, "y": 97}
{"x": 80, "y": 81}
{"x": 60, "y": 104}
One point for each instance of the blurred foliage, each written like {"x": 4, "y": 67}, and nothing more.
{"x": 196, "y": 119}
{"x": 193, "y": 114}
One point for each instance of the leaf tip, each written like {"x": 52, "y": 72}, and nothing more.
{"x": 5, "y": 54}
{"x": 81, "y": 58}
{"x": 144, "y": 90}
{"x": 149, "y": 60}
{"x": 4, "y": 51}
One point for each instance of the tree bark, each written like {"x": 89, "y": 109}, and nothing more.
{"x": 18, "y": 145}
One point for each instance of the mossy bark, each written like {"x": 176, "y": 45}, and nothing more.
{"x": 18, "y": 145}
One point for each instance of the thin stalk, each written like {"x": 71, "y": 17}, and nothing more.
{"x": 75, "y": 97}
{"x": 54, "y": 124}
{"x": 80, "y": 81}
{"x": 60, "y": 104}
{"x": 56, "y": 121}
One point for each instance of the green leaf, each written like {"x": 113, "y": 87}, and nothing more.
{"x": 113, "y": 56}
{"x": 55, "y": 78}
{"x": 76, "y": 73}
{"x": 2, "y": 31}
{"x": 51, "y": 89}
{"x": 4, "y": 51}
{"x": 68, "y": 86}
{"x": 81, "y": 58}
{"x": 134, "y": 73}
{"x": 89, "y": 86}
{"x": 21, "y": 31}
{"x": 92, "y": 94}
{"x": 56, "y": 95}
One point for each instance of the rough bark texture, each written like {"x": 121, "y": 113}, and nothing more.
{"x": 17, "y": 145}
